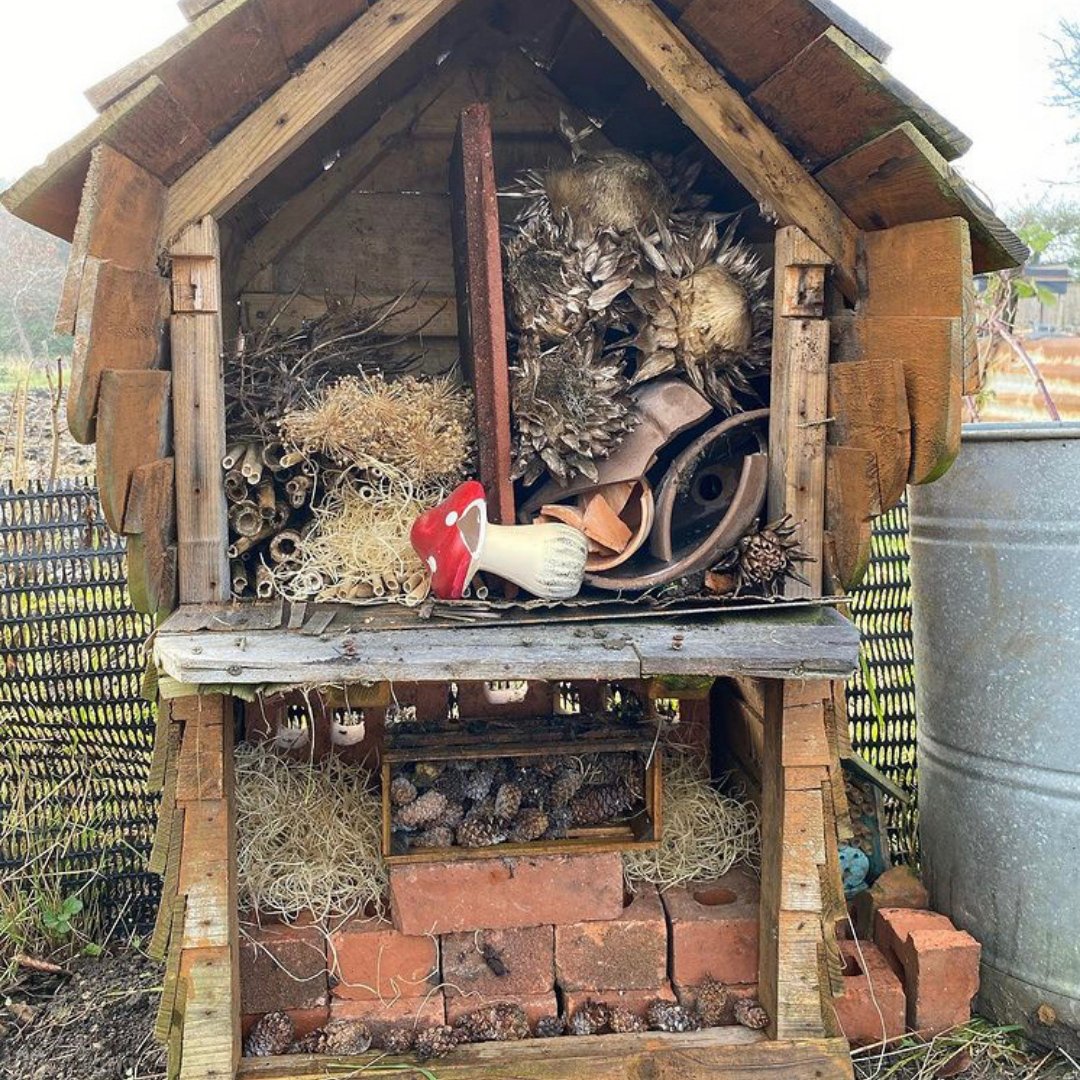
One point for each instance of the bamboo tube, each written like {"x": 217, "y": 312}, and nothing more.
{"x": 264, "y": 581}
{"x": 233, "y": 456}
{"x": 360, "y": 591}
{"x": 245, "y": 518}
{"x": 290, "y": 459}
{"x": 236, "y": 489}
{"x": 285, "y": 547}
{"x": 246, "y": 543}
{"x": 271, "y": 456}
{"x": 281, "y": 515}
{"x": 239, "y": 574}
{"x": 267, "y": 499}
{"x": 252, "y": 466}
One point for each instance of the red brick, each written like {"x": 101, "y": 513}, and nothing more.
{"x": 627, "y": 953}
{"x": 305, "y": 1021}
{"x": 282, "y": 968}
{"x": 524, "y": 959}
{"x": 371, "y": 960}
{"x": 714, "y": 930}
{"x": 535, "y": 1006}
{"x": 898, "y": 887}
{"x": 872, "y": 1006}
{"x": 687, "y": 995}
{"x": 421, "y": 1012}
{"x": 939, "y": 965}
{"x": 637, "y": 1001}
{"x": 495, "y": 894}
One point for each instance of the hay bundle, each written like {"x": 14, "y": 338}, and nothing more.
{"x": 308, "y": 836}
{"x": 706, "y": 833}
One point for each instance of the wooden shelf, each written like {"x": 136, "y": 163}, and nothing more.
{"x": 232, "y": 645}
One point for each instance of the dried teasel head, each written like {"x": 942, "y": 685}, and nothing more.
{"x": 702, "y": 307}
{"x": 570, "y": 405}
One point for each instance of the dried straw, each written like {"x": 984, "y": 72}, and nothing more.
{"x": 309, "y": 836}
{"x": 421, "y": 428}
{"x": 706, "y": 833}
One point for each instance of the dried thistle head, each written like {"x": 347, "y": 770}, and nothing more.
{"x": 762, "y": 562}
{"x": 420, "y": 429}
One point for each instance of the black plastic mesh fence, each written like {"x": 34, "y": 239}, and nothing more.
{"x": 75, "y": 735}
{"x": 881, "y": 695}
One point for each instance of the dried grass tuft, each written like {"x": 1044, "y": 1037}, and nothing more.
{"x": 421, "y": 428}
{"x": 309, "y": 836}
{"x": 706, "y": 833}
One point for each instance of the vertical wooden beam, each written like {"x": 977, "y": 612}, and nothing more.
{"x": 800, "y": 396}
{"x": 481, "y": 312}
{"x": 199, "y": 414}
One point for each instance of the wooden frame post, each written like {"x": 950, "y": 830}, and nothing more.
{"x": 800, "y": 398}
{"x": 199, "y": 414}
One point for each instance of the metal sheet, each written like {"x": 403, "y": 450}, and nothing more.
{"x": 996, "y": 586}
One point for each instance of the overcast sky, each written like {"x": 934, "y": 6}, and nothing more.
{"x": 982, "y": 63}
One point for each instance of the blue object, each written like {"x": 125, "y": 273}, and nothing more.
{"x": 854, "y": 868}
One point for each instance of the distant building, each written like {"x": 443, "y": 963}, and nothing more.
{"x": 1057, "y": 309}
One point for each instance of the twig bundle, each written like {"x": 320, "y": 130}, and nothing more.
{"x": 421, "y": 428}
{"x": 706, "y": 833}
{"x": 309, "y": 836}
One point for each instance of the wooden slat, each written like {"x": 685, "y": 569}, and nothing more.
{"x": 199, "y": 428}
{"x": 899, "y": 178}
{"x": 119, "y": 327}
{"x": 211, "y": 1041}
{"x": 868, "y": 408}
{"x": 728, "y": 1053}
{"x": 800, "y": 381}
{"x": 148, "y": 126}
{"x": 834, "y": 96}
{"x": 924, "y": 270}
{"x": 304, "y": 28}
{"x": 134, "y": 410}
{"x": 192, "y": 9}
{"x": 214, "y": 68}
{"x": 481, "y": 314}
{"x": 852, "y": 494}
{"x": 299, "y": 108}
{"x": 201, "y": 766}
{"x": 752, "y": 41}
{"x": 437, "y": 314}
{"x": 119, "y": 221}
{"x": 150, "y": 529}
{"x": 719, "y": 116}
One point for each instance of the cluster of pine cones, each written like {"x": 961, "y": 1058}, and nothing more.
{"x": 475, "y": 804}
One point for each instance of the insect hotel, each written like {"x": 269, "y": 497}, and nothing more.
{"x": 496, "y": 398}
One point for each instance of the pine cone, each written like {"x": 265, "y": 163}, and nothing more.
{"x": 751, "y": 1014}
{"x": 714, "y": 1003}
{"x": 481, "y": 832}
{"x": 550, "y": 1027}
{"x": 479, "y": 782}
{"x": 565, "y": 786}
{"x": 531, "y": 824}
{"x": 668, "y": 1016}
{"x": 599, "y": 805}
{"x": 425, "y": 773}
{"x": 402, "y": 791}
{"x": 452, "y": 816}
{"x": 452, "y": 784}
{"x": 434, "y": 1042}
{"x": 395, "y": 1040}
{"x": 592, "y": 1018}
{"x": 345, "y": 1038}
{"x": 438, "y": 836}
{"x": 271, "y": 1036}
{"x": 624, "y": 1022}
{"x": 508, "y": 801}
{"x": 502, "y": 1022}
{"x": 427, "y": 809}
{"x": 559, "y": 821}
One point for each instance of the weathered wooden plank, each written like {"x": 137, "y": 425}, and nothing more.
{"x": 214, "y": 68}
{"x": 192, "y": 9}
{"x": 281, "y": 124}
{"x": 719, "y": 116}
{"x": 716, "y": 1054}
{"x": 211, "y": 1042}
{"x": 199, "y": 426}
{"x": 119, "y": 221}
{"x": 201, "y": 766}
{"x": 806, "y": 643}
{"x": 834, "y": 96}
{"x": 868, "y": 407}
{"x": 134, "y": 410}
{"x": 800, "y": 389}
{"x": 119, "y": 327}
{"x": 147, "y": 126}
{"x": 303, "y": 29}
{"x": 752, "y": 41}
{"x": 481, "y": 313}
{"x": 436, "y": 314}
{"x": 150, "y": 528}
{"x": 852, "y": 493}
{"x": 899, "y": 178}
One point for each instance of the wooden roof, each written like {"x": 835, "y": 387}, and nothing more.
{"x": 812, "y": 73}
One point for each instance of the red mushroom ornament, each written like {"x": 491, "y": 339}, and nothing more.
{"x": 455, "y": 540}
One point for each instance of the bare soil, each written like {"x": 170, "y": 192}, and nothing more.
{"x": 95, "y": 1023}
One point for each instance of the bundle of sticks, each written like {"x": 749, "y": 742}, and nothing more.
{"x": 269, "y": 490}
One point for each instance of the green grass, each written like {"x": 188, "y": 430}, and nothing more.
{"x": 15, "y": 370}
